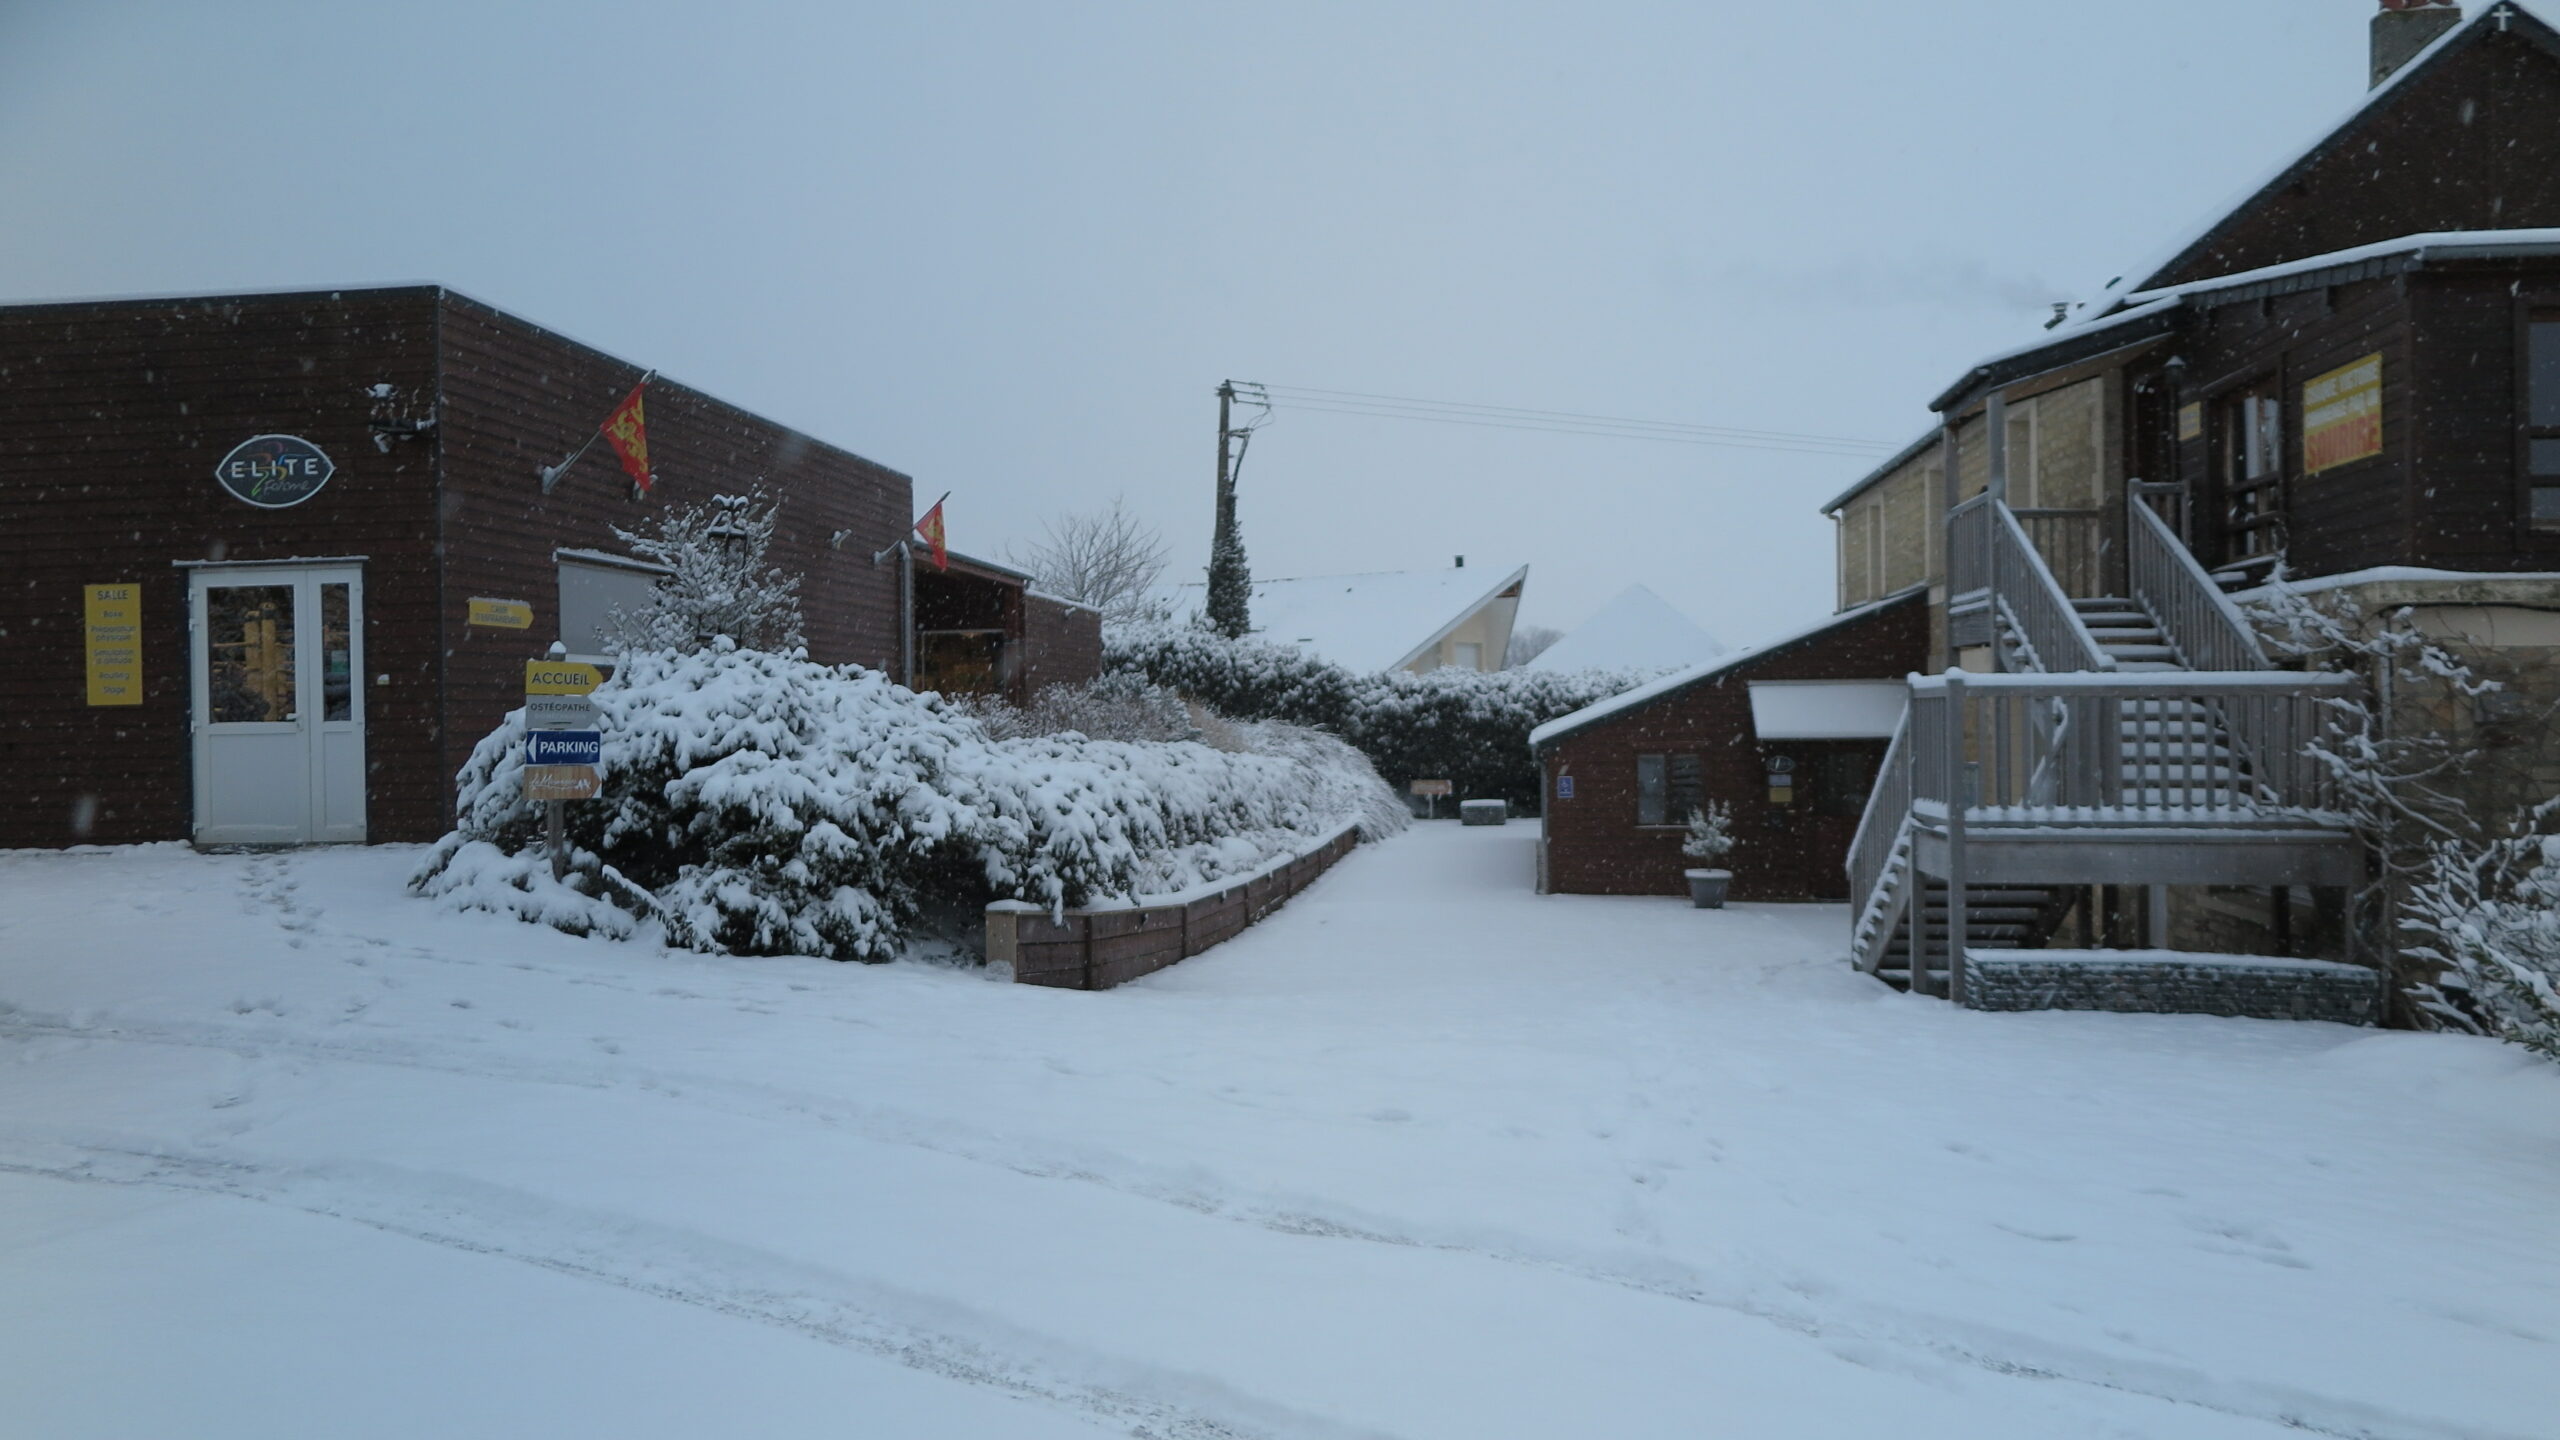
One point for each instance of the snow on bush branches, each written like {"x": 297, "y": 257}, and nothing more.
{"x": 1462, "y": 725}
{"x": 762, "y": 804}
{"x": 2490, "y": 915}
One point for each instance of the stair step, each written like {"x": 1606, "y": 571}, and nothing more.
{"x": 2104, "y": 602}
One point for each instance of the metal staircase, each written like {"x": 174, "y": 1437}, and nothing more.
{"x": 2134, "y": 740}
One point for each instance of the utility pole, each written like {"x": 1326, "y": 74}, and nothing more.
{"x": 1230, "y": 581}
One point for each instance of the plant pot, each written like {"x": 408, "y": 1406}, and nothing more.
{"x": 1707, "y": 887}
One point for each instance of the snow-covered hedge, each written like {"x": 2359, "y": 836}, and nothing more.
{"x": 1468, "y": 727}
{"x": 762, "y": 804}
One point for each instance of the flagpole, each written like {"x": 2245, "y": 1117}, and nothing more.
{"x": 551, "y": 473}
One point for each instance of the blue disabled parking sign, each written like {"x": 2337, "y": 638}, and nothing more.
{"x": 564, "y": 747}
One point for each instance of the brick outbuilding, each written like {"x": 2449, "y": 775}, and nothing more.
{"x": 274, "y": 563}
{"x": 1789, "y": 734}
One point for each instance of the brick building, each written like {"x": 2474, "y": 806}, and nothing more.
{"x": 1789, "y": 734}
{"x": 275, "y": 562}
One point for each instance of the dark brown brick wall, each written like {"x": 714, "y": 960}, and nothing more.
{"x": 1594, "y": 845}
{"x": 112, "y": 416}
{"x": 518, "y": 397}
{"x": 1064, "y": 641}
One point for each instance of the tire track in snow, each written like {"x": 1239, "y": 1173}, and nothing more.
{"x": 934, "y": 1336}
{"x": 1842, "y": 1326}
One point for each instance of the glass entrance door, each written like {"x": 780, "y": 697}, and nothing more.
{"x": 279, "y": 717}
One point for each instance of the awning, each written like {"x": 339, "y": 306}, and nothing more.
{"x": 1826, "y": 709}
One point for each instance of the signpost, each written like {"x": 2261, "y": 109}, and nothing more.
{"x": 1432, "y": 790}
{"x": 563, "y": 749}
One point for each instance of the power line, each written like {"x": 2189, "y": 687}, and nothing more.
{"x": 1565, "y": 422}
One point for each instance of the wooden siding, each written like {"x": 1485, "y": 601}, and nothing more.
{"x": 1790, "y": 852}
{"x": 112, "y": 415}
{"x": 2467, "y": 494}
{"x": 2465, "y": 145}
{"x": 518, "y": 397}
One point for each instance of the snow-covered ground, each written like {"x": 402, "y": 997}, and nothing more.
{"x": 284, "y": 1152}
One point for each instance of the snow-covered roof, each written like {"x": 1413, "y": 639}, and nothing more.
{"x": 1363, "y": 623}
{"x": 2112, "y": 293}
{"x": 1638, "y": 630}
{"x": 1593, "y": 713}
{"x": 2438, "y": 244}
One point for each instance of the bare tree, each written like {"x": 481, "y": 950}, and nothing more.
{"x": 1526, "y": 643}
{"x": 1107, "y": 559}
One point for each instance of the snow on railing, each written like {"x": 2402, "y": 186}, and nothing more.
{"x": 1883, "y": 831}
{"x": 2184, "y": 747}
{"x": 2202, "y": 626}
{"x": 2041, "y": 618}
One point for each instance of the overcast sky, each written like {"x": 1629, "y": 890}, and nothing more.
{"x": 1012, "y": 249}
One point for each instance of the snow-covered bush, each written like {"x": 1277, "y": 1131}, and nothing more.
{"x": 2490, "y": 916}
{"x": 1115, "y": 706}
{"x": 1467, "y": 727}
{"x": 758, "y": 803}
{"x": 718, "y": 581}
{"x": 2399, "y": 784}
{"x": 1710, "y": 836}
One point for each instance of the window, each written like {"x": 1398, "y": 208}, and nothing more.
{"x": 1841, "y": 780}
{"x": 592, "y": 587}
{"x": 2542, "y": 418}
{"x": 1467, "y": 655}
{"x": 1668, "y": 787}
{"x": 2252, "y": 439}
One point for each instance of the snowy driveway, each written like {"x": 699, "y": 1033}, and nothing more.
{"x": 284, "y": 1152}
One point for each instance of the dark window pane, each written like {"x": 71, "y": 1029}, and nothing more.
{"x": 1652, "y": 789}
{"x": 337, "y": 654}
{"x": 2546, "y": 456}
{"x": 2546, "y": 505}
{"x": 249, "y": 653}
{"x": 1687, "y": 792}
{"x": 2543, "y": 371}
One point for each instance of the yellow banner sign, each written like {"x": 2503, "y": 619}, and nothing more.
{"x": 114, "y": 615}
{"x": 562, "y": 782}
{"x": 2342, "y": 415}
{"x": 560, "y": 677}
{"x": 501, "y": 614}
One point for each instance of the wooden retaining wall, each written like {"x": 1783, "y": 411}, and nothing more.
{"x": 1098, "y": 948}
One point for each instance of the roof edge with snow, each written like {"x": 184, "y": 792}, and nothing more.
{"x": 1679, "y": 680}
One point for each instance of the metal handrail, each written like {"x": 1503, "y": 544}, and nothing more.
{"x": 2203, "y": 628}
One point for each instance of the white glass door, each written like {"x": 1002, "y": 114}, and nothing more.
{"x": 276, "y": 653}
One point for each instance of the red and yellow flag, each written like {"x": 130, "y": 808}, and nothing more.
{"x": 627, "y": 430}
{"x": 930, "y": 527}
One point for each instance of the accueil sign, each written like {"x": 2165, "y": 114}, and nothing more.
{"x": 273, "y": 472}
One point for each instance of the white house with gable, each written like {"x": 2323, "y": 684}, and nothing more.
{"x": 1413, "y": 620}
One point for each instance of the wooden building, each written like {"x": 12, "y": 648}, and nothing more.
{"x": 2353, "y": 375}
{"x": 306, "y": 645}
{"x": 1788, "y": 734}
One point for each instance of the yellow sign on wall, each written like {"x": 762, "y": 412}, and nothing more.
{"x": 560, "y": 677}
{"x": 2342, "y": 415}
{"x": 501, "y": 614}
{"x": 114, "y": 614}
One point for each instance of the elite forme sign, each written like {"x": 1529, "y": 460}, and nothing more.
{"x": 274, "y": 472}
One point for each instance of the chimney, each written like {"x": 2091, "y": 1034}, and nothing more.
{"x": 2405, "y": 27}
{"x": 1462, "y": 563}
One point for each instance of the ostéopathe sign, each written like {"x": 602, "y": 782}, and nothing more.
{"x": 274, "y": 472}
{"x": 559, "y": 712}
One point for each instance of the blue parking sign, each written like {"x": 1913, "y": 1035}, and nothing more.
{"x": 564, "y": 747}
